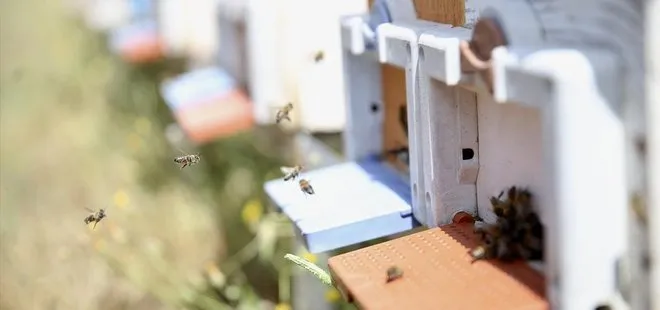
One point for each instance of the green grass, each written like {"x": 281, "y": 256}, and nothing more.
{"x": 80, "y": 129}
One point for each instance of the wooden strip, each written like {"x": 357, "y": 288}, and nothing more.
{"x": 394, "y": 96}
{"x": 441, "y": 11}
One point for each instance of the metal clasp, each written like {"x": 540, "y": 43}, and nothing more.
{"x": 476, "y": 54}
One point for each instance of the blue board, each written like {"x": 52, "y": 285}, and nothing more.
{"x": 120, "y": 36}
{"x": 195, "y": 86}
{"x": 142, "y": 8}
{"x": 353, "y": 202}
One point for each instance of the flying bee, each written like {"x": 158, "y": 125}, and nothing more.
{"x": 187, "y": 160}
{"x": 94, "y": 216}
{"x": 394, "y": 273}
{"x": 283, "y": 113}
{"x": 305, "y": 187}
{"x": 318, "y": 56}
{"x": 291, "y": 173}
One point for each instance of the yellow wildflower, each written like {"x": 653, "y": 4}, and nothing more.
{"x": 121, "y": 199}
{"x": 215, "y": 275}
{"x": 309, "y": 257}
{"x": 252, "y": 212}
{"x": 283, "y": 306}
{"x": 332, "y": 295}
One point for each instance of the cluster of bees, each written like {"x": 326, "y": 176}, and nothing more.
{"x": 517, "y": 233}
{"x": 186, "y": 160}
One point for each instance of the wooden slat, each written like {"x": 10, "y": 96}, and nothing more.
{"x": 394, "y": 96}
{"x": 441, "y": 11}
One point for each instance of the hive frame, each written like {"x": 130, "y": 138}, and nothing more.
{"x": 363, "y": 134}
{"x": 397, "y": 46}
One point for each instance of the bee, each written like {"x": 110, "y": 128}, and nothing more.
{"x": 291, "y": 173}
{"x": 480, "y": 252}
{"x": 187, "y": 160}
{"x": 318, "y": 56}
{"x": 638, "y": 208}
{"x": 393, "y": 273}
{"x": 94, "y": 216}
{"x": 283, "y": 113}
{"x": 305, "y": 187}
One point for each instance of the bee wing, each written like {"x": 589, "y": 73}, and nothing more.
{"x": 88, "y": 209}
{"x": 287, "y": 170}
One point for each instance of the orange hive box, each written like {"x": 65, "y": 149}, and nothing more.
{"x": 143, "y": 49}
{"x": 438, "y": 273}
{"x": 216, "y": 117}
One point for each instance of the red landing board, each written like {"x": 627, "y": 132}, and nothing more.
{"x": 438, "y": 273}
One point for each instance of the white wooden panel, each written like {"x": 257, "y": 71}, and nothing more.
{"x": 652, "y": 40}
{"x": 264, "y": 48}
{"x": 297, "y": 30}
{"x": 584, "y": 165}
{"x": 190, "y": 29}
{"x": 173, "y": 24}
{"x": 510, "y": 151}
{"x": 310, "y": 27}
{"x": 106, "y": 15}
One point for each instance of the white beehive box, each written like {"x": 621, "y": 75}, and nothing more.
{"x": 551, "y": 125}
{"x": 190, "y": 29}
{"x": 652, "y": 61}
{"x": 232, "y": 55}
{"x": 284, "y": 37}
{"x": 104, "y": 15}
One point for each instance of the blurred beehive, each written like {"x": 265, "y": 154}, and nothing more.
{"x": 295, "y": 56}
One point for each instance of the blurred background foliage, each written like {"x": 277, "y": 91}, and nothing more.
{"x": 82, "y": 129}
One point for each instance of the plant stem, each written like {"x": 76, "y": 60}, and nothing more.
{"x": 317, "y": 271}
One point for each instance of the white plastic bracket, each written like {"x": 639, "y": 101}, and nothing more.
{"x": 397, "y": 46}
{"x": 356, "y": 34}
{"x": 583, "y": 204}
{"x": 363, "y": 135}
{"x": 449, "y": 134}
{"x": 440, "y": 57}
